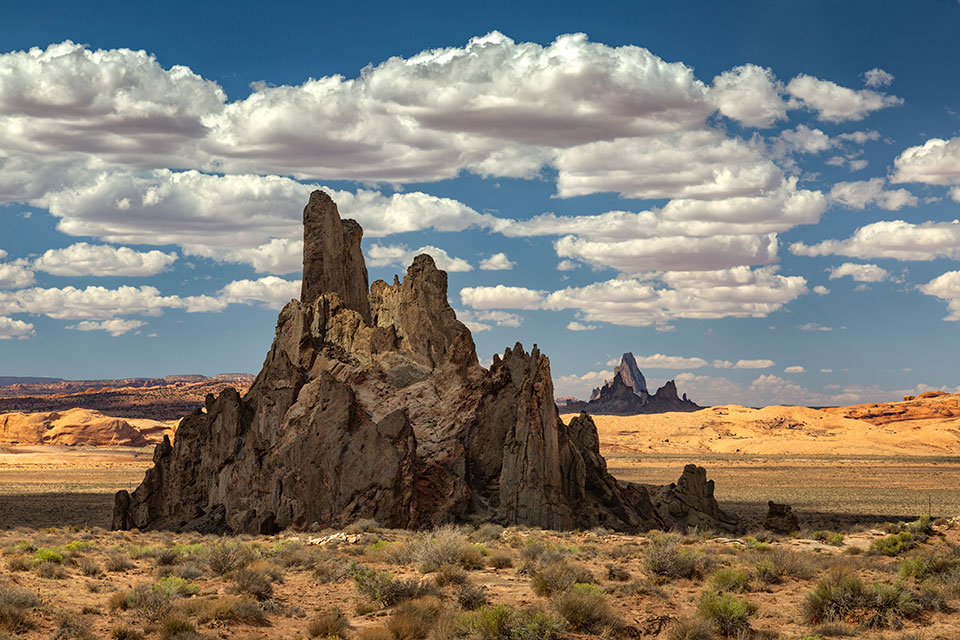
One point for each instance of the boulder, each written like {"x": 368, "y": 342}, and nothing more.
{"x": 372, "y": 404}
{"x": 780, "y": 518}
{"x": 690, "y": 503}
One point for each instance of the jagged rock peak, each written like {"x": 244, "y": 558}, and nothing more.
{"x": 332, "y": 258}
{"x": 630, "y": 373}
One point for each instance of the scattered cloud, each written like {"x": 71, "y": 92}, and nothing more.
{"x": 750, "y": 95}
{"x": 272, "y": 292}
{"x": 576, "y": 326}
{"x": 821, "y": 290}
{"x": 497, "y": 262}
{"x": 895, "y": 239}
{"x": 834, "y": 103}
{"x": 14, "y": 275}
{"x": 399, "y": 255}
{"x": 860, "y": 272}
{"x": 858, "y": 195}
{"x": 660, "y": 361}
{"x": 946, "y": 287}
{"x": 794, "y": 369}
{"x": 82, "y": 259}
{"x": 502, "y": 297}
{"x": 480, "y": 320}
{"x": 813, "y": 326}
{"x": 15, "y": 329}
{"x": 877, "y": 78}
{"x": 115, "y": 326}
{"x": 753, "y": 364}
{"x": 936, "y": 161}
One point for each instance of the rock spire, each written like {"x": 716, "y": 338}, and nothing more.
{"x": 372, "y": 404}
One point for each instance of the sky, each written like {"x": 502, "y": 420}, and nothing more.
{"x": 758, "y": 199}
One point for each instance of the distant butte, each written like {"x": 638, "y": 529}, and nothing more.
{"x": 372, "y": 404}
{"x": 627, "y": 395}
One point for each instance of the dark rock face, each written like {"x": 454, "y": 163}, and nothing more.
{"x": 690, "y": 502}
{"x": 373, "y": 405}
{"x": 780, "y": 518}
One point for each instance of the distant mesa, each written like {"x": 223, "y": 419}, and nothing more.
{"x": 164, "y": 399}
{"x": 627, "y": 395}
{"x": 372, "y": 404}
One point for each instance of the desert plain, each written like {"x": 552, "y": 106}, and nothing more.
{"x": 876, "y": 554}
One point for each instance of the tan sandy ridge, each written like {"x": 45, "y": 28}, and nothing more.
{"x": 924, "y": 426}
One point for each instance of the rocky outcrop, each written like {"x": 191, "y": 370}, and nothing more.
{"x": 781, "y": 518}
{"x": 626, "y": 395}
{"x": 690, "y": 502}
{"x": 375, "y": 406}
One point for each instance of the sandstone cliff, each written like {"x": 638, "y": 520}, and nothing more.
{"x": 371, "y": 404}
{"x": 75, "y": 427}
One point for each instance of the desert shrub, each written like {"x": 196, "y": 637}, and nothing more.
{"x": 835, "y": 630}
{"x": 146, "y": 601}
{"x": 616, "y": 572}
{"x": 253, "y": 583}
{"x": 638, "y": 587}
{"x": 19, "y": 563}
{"x": 223, "y": 557}
{"x": 328, "y": 624}
{"x": 921, "y": 527}
{"x": 757, "y": 545}
{"x": 729, "y": 579}
{"x": 175, "y": 587}
{"x": 14, "y": 603}
{"x": 172, "y": 626}
{"x": 726, "y": 613}
{"x": 269, "y": 568}
{"x": 767, "y": 571}
{"x": 118, "y": 561}
{"x": 586, "y": 609}
{"x": 487, "y": 532}
{"x": 415, "y": 619}
{"x": 530, "y": 553}
{"x": 382, "y": 588}
{"x": 664, "y": 557}
{"x": 471, "y": 596}
{"x": 230, "y": 609}
{"x": 894, "y": 544}
{"x": 925, "y": 565}
{"x": 90, "y": 568}
{"x": 795, "y": 564}
{"x": 187, "y": 570}
{"x": 328, "y": 571}
{"x": 500, "y": 560}
{"x": 930, "y": 597}
{"x": 125, "y": 632}
{"x": 375, "y": 633}
{"x": 72, "y": 627}
{"x": 449, "y": 574}
{"x": 691, "y": 629}
{"x": 363, "y": 525}
{"x": 829, "y": 537}
{"x": 557, "y": 577}
{"x": 842, "y": 596}
{"x": 500, "y": 622}
{"x": 445, "y": 545}
{"x": 167, "y": 556}
{"x": 51, "y": 570}
{"x": 47, "y": 555}
{"x": 137, "y": 551}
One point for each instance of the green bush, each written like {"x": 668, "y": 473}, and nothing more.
{"x": 726, "y": 613}
{"x": 500, "y": 622}
{"x": 893, "y": 545}
{"x": 729, "y": 579}
{"x": 925, "y": 565}
{"x": 382, "y": 588}
{"x": 47, "y": 555}
{"x": 586, "y": 609}
{"x": 844, "y": 597}
{"x": 768, "y": 571}
{"x": 829, "y": 537}
{"x": 471, "y": 596}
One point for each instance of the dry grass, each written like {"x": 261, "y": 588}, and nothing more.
{"x": 679, "y": 587}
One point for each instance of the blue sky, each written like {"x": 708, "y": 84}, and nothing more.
{"x": 757, "y": 199}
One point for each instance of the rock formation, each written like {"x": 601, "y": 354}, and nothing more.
{"x": 690, "y": 502}
{"x": 627, "y": 395}
{"x": 75, "y": 427}
{"x": 372, "y": 404}
{"x": 781, "y": 518}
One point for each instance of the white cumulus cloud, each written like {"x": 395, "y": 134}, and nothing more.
{"x": 115, "y": 326}
{"x": 399, "y": 255}
{"x": 834, "y": 103}
{"x": 82, "y": 259}
{"x": 860, "y": 272}
{"x": 14, "y": 329}
{"x": 496, "y": 262}
{"x": 857, "y": 195}
{"x": 946, "y": 287}
{"x": 895, "y": 239}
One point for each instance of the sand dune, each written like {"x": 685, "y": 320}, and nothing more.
{"x": 925, "y": 426}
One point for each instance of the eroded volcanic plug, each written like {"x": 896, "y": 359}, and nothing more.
{"x": 372, "y": 404}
